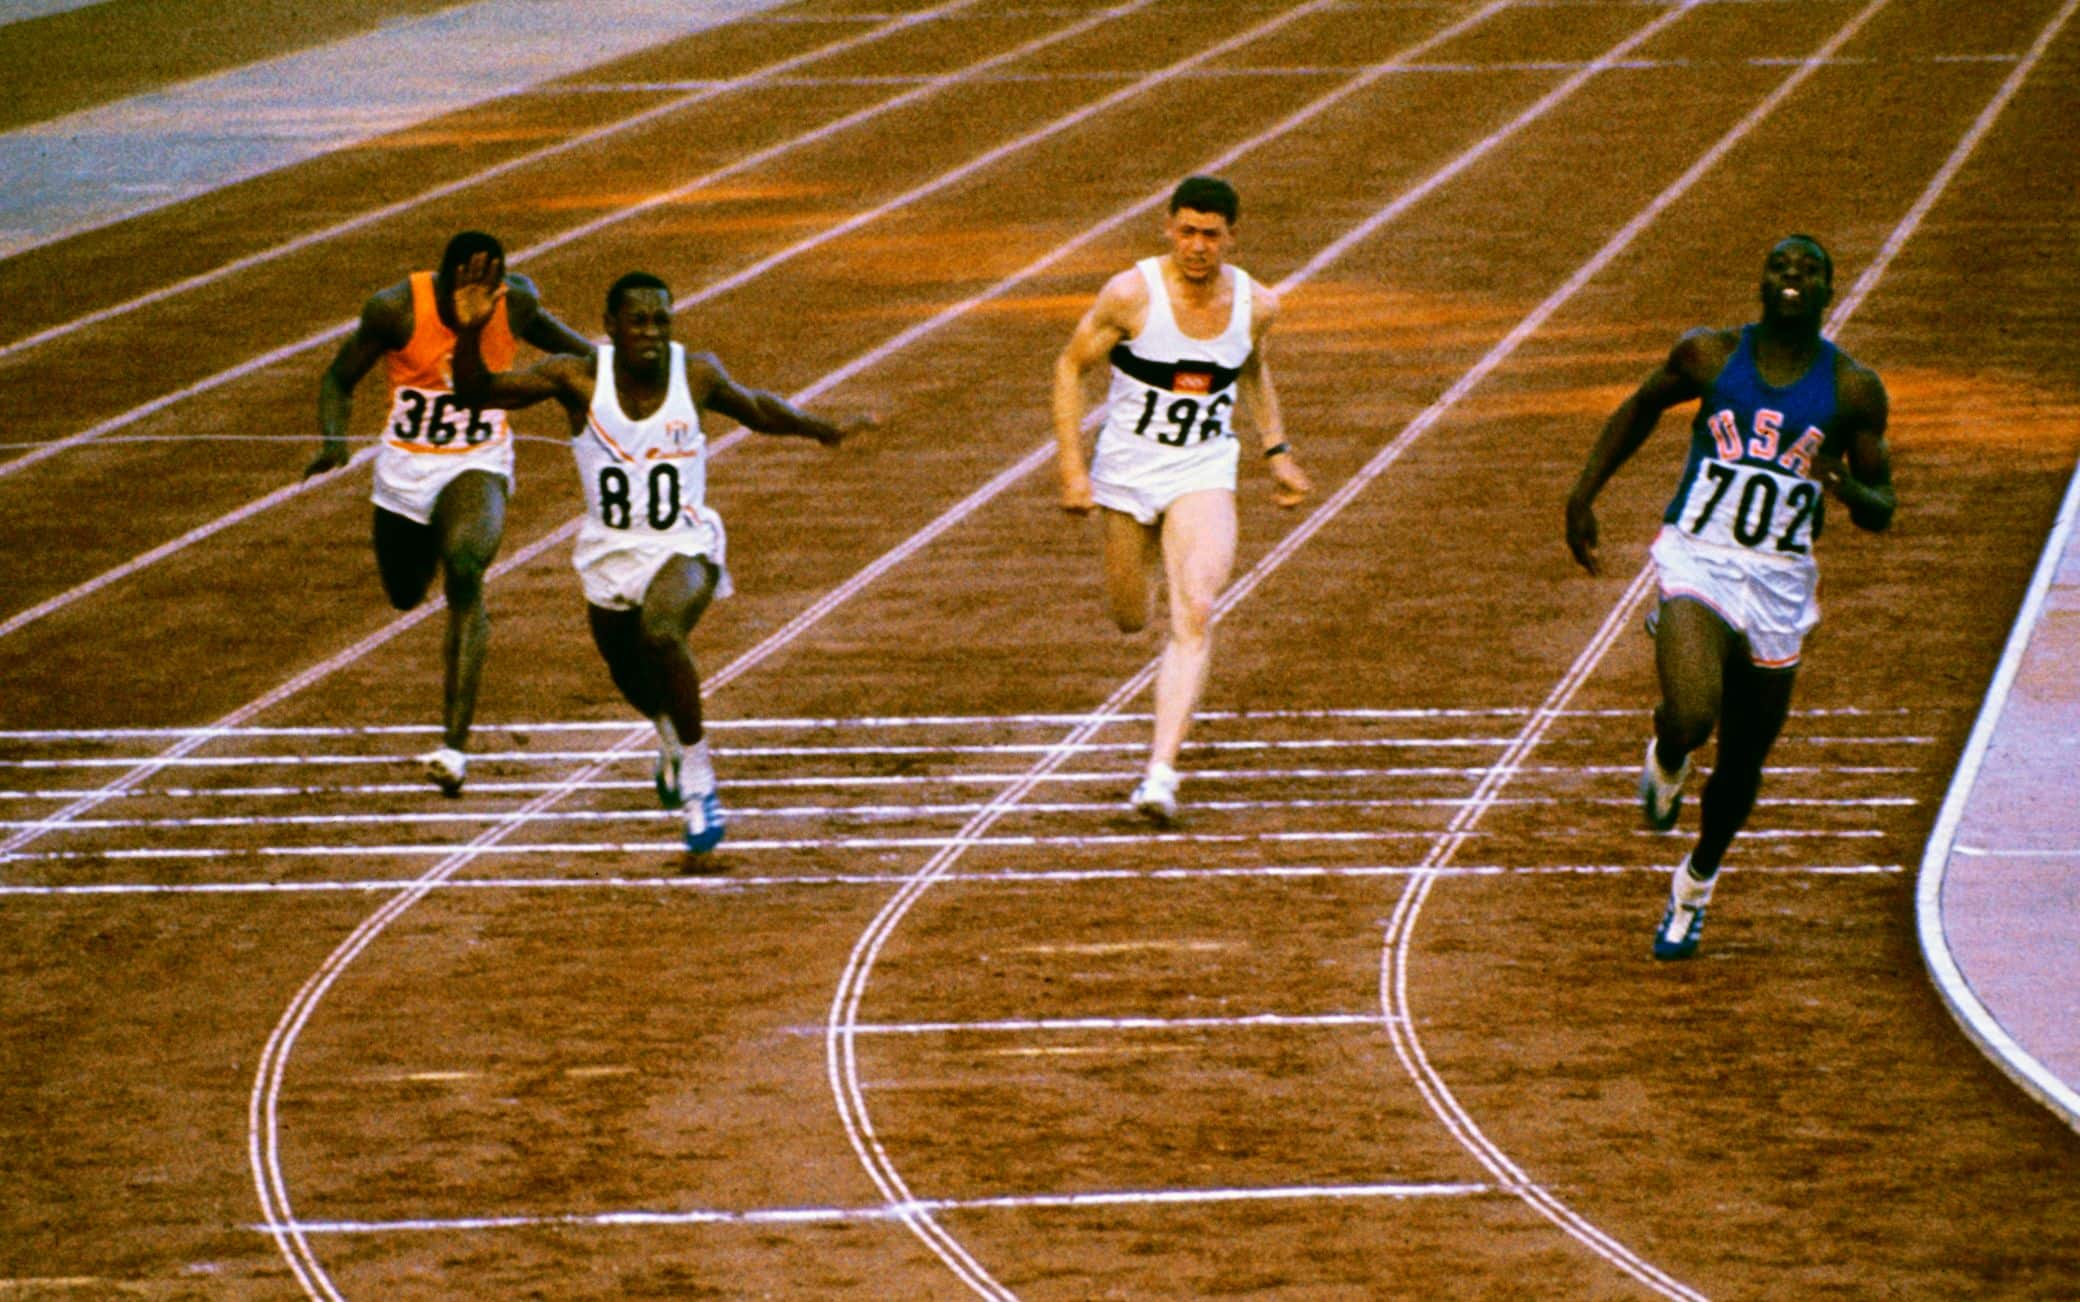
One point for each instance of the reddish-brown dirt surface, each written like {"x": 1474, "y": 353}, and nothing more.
{"x": 1376, "y": 1021}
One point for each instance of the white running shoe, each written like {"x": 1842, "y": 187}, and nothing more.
{"x": 445, "y": 768}
{"x": 666, "y": 776}
{"x": 1682, "y": 925}
{"x": 1661, "y": 792}
{"x": 1155, "y": 799}
{"x": 705, "y": 823}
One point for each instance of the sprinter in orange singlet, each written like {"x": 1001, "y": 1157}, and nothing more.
{"x": 443, "y": 471}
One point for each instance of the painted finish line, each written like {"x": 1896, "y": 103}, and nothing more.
{"x": 899, "y": 1211}
{"x": 725, "y": 882}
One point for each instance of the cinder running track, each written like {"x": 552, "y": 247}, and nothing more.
{"x": 940, "y": 1020}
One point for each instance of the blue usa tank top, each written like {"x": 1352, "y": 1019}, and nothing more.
{"x": 1748, "y": 484}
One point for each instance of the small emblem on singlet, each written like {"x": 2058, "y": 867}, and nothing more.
{"x": 1192, "y": 382}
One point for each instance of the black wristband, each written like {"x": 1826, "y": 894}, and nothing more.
{"x": 1275, "y": 449}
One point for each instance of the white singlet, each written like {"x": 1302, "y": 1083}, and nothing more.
{"x": 646, "y": 484}
{"x": 1168, "y": 429}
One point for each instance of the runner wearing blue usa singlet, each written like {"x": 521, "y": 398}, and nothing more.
{"x": 1184, "y": 335}
{"x": 1785, "y": 417}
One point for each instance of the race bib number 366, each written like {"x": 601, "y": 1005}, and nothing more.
{"x": 429, "y": 418}
{"x": 1732, "y": 505}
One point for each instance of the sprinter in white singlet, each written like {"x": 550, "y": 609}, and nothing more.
{"x": 650, "y": 550}
{"x": 1184, "y": 335}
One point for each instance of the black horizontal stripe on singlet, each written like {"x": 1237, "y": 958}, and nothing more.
{"x": 1163, "y": 375}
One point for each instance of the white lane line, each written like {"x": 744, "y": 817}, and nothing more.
{"x": 728, "y": 884}
{"x": 516, "y": 757}
{"x": 758, "y": 78}
{"x": 1290, "y": 71}
{"x": 783, "y": 1216}
{"x": 885, "y": 722}
{"x": 1054, "y": 1025}
{"x": 1060, "y": 841}
{"x": 1122, "y": 778}
{"x": 890, "y": 813}
{"x": 842, "y": 1053}
{"x": 204, "y": 531}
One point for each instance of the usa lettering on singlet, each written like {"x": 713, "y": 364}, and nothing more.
{"x": 1173, "y": 395}
{"x": 1748, "y": 485}
{"x": 646, "y": 476}
{"x": 425, "y": 420}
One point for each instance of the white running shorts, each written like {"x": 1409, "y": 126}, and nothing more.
{"x": 615, "y": 566}
{"x": 409, "y": 483}
{"x": 1773, "y": 604}
{"x": 1142, "y": 478}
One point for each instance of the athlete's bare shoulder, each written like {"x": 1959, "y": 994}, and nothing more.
{"x": 1125, "y": 297}
{"x": 1857, "y": 387}
{"x": 522, "y": 297}
{"x": 1702, "y": 352}
{"x": 387, "y": 317}
{"x": 1263, "y": 303}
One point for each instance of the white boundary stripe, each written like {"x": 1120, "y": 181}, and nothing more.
{"x": 1979, "y": 1024}
{"x": 1007, "y": 876}
{"x": 1282, "y": 71}
{"x": 2041, "y": 852}
{"x": 1363, "y": 715}
{"x": 842, "y": 1053}
{"x": 898, "y": 1211}
{"x": 769, "y": 75}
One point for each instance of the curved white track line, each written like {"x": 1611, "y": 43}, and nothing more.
{"x": 1394, "y": 966}
{"x": 841, "y": 1052}
{"x": 1970, "y": 1012}
{"x": 264, "y": 1110}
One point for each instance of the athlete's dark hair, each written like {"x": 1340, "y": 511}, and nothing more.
{"x": 633, "y": 280}
{"x": 468, "y": 245}
{"x": 1207, "y": 194}
{"x": 1826, "y": 258}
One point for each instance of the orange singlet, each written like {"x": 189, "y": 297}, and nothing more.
{"x": 424, "y": 417}
{"x": 430, "y": 439}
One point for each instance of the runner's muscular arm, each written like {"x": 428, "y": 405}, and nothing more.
{"x": 1862, "y": 478}
{"x": 385, "y": 326}
{"x": 756, "y": 409}
{"x": 1117, "y": 314}
{"x": 537, "y": 325}
{"x": 1683, "y": 377}
{"x": 1290, "y": 484}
